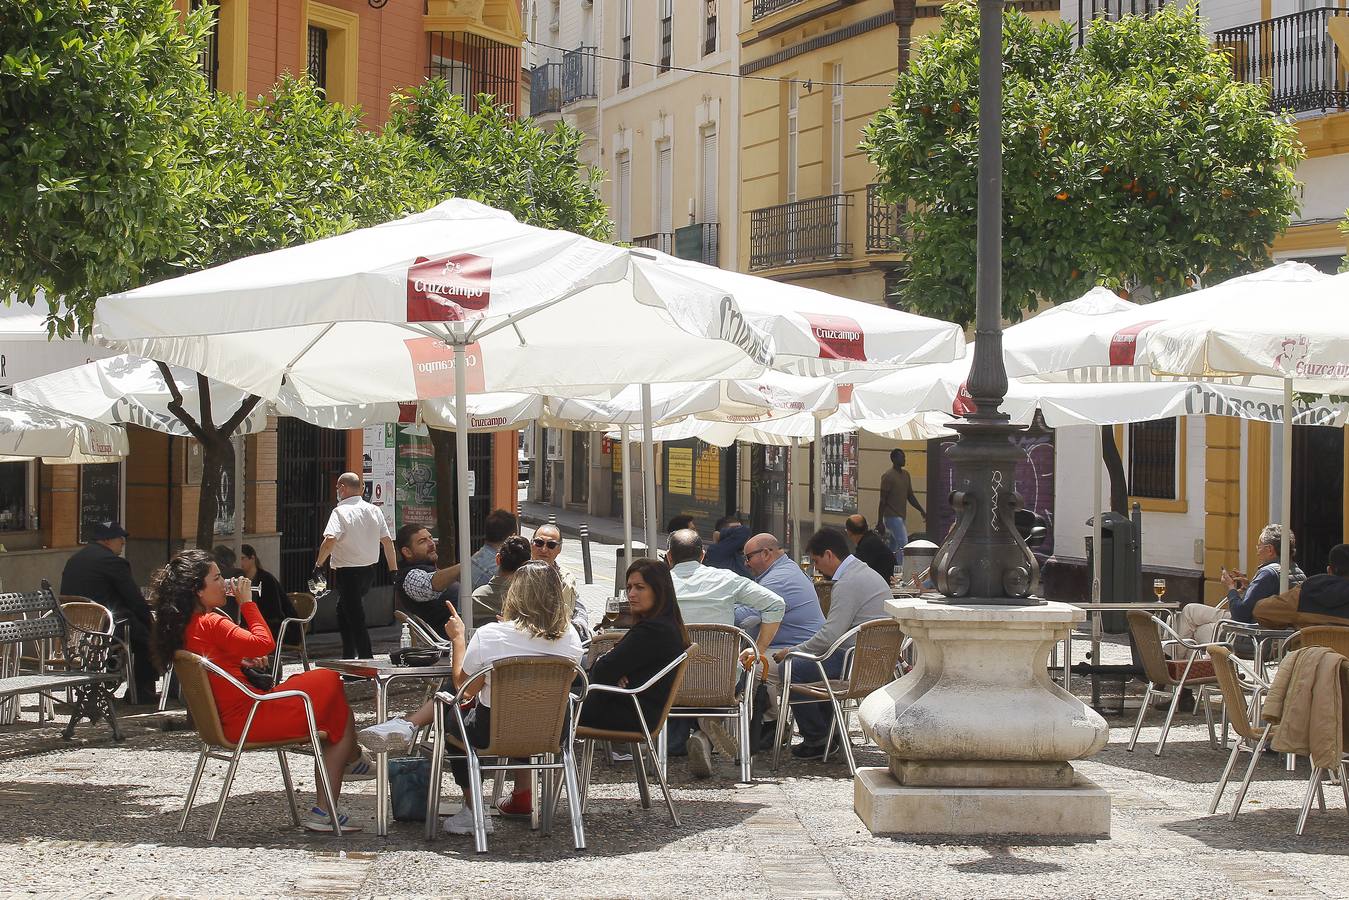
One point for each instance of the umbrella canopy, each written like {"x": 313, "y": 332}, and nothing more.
{"x": 130, "y": 390}
{"x": 29, "y": 430}
{"x": 486, "y": 413}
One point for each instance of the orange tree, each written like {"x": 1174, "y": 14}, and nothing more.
{"x": 1139, "y": 162}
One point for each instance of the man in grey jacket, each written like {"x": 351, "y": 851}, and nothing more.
{"x": 859, "y": 595}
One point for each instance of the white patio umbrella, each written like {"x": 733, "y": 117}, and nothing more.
{"x": 30, "y": 431}
{"x": 1103, "y": 339}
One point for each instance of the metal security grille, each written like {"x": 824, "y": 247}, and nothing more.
{"x": 884, "y": 221}
{"x": 625, "y": 66}
{"x": 710, "y": 28}
{"x": 480, "y": 504}
{"x": 209, "y": 58}
{"x": 317, "y": 64}
{"x": 308, "y": 461}
{"x": 1152, "y": 459}
{"x": 806, "y": 231}
{"x": 1111, "y": 11}
{"x": 472, "y": 65}
{"x": 666, "y": 34}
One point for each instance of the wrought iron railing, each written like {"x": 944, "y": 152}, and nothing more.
{"x": 625, "y": 63}
{"x": 1295, "y": 55}
{"x": 209, "y": 57}
{"x": 578, "y": 75}
{"x": 1111, "y": 10}
{"x": 473, "y": 65}
{"x": 699, "y": 242}
{"x": 545, "y": 89}
{"x": 710, "y": 28}
{"x": 660, "y": 240}
{"x": 763, "y": 8}
{"x": 806, "y": 231}
{"x": 884, "y": 219}
{"x": 666, "y": 42}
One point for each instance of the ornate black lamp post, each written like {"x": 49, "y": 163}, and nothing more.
{"x": 983, "y": 559}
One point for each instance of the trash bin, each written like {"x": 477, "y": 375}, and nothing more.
{"x": 621, "y": 567}
{"x": 918, "y": 556}
{"x": 1121, "y": 568}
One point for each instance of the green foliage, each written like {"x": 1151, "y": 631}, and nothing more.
{"x": 93, "y": 98}
{"x": 1138, "y": 162}
{"x": 493, "y": 157}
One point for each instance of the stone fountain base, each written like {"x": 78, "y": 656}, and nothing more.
{"x": 979, "y": 737}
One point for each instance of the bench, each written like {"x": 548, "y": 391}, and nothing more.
{"x": 36, "y": 617}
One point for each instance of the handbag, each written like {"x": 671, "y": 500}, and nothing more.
{"x": 260, "y": 679}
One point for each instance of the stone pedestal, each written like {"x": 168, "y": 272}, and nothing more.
{"x": 979, "y": 737}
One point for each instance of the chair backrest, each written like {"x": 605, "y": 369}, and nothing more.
{"x": 602, "y": 643}
{"x": 878, "y": 647}
{"x": 530, "y": 699}
{"x": 675, "y": 687}
{"x": 712, "y": 672}
{"x": 305, "y": 606}
{"x": 1149, "y": 643}
{"x": 195, "y": 684}
{"x": 1335, "y": 637}
{"x": 26, "y": 627}
{"x": 1234, "y": 698}
{"x": 87, "y": 614}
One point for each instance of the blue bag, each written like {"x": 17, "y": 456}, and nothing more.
{"x": 409, "y": 780}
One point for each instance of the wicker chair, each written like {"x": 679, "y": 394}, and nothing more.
{"x": 1168, "y": 677}
{"x": 1335, "y": 637}
{"x": 89, "y": 614}
{"x": 641, "y": 741}
{"x": 196, "y": 688}
{"x": 305, "y": 608}
{"x": 533, "y": 717}
{"x": 1238, "y": 702}
{"x": 709, "y": 690}
{"x": 869, "y": 665}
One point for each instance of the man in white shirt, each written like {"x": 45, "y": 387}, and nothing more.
{"x": 352, "y": 538}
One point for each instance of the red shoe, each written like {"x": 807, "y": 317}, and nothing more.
{"x": 520, "y": 805}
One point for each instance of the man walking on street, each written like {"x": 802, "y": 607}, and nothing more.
{"x": 896, "y": 495}
{"x": 355, "y": 532}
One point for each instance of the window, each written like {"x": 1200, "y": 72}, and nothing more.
{"x": 709, "y": 186}
{"x": 209, "y": 58}
{"x": 709, "y": 27}
{"x": 666, "y": 34}
{"x": 100, "y": 495}
{"x": 664, "y": 188}
{"x": 1153, "y": 457}
{"x": 793, "y": 132}
{"x": 623, "y": 196}
{"x": 840, "y": 473}
{"x": 625, "y": 47}
{"x": 836, "y": 129}
{"x": 458, "y": 76}
{"x": 14, "y": 478}
{"x": 317, "y": 58}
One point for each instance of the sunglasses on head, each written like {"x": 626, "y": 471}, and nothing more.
{"x": 540, "y": 542}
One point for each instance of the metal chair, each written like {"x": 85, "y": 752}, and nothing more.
{"x": 642, "y": 741}
{"x": 533, "y": 717}
{"x": 89, "y": 617}
{"x": 710, "y": 688}
{"x": 423, "y": 635}
{"x": 1238, "y": 706}
{"x": 868, "y": 665}
{"x": 1163, "y": 673}
{"x": 196, "y": 689}
{"x": 305, "y": 608}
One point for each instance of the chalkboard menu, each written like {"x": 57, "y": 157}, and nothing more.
{"x": 100, "y": 495}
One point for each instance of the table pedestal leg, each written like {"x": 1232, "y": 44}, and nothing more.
{"x": 381, "y": 763}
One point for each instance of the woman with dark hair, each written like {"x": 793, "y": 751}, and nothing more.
{"x": 187, "y": 593}
{"x": 273, "y": 603}
{"x": 657, "y": 638}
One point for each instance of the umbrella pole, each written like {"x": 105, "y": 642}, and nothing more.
{"x": 239, "y": 445}
{"x": 461, "y": 475}
{"x": 624, "y": 474}
{"x": 1286, "y": 487}
{"x": 793, "y": 465}
{"x": 1096, "y": 550}
{"x": 648, "y": 474}
{"x": 817, "y": 473}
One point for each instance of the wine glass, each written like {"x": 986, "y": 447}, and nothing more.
{"x": 805, "y": 562}
{"x": 1159, "y": 587}
{"x": 898, "y": 579}
{"x": 318, "y": 583}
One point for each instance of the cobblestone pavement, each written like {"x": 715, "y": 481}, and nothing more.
{"x": 91, "y": 818}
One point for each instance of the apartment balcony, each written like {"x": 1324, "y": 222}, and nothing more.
{"x": 556, "y": 85}
{"x": 699, "y": 242}
{"x": 1111, "y": 11}
{"x": 764, "y": 8}
{"x": 806, "y": 231}
{"x": 1296, "y": 56}
{"x": 884, "y": 222}
{"x": 660, "y": 240}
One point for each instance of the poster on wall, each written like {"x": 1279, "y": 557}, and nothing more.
{"x": 696, "y": 481}
{"x": 1034, "y": 481}
{"x": 378, "y": 451}
{"x": 414, "y": 477}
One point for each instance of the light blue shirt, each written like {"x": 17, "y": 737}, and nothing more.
{"x": 484, "y": 565}
{"x": 803, "y": 617}
{"x": 708, "y": 596}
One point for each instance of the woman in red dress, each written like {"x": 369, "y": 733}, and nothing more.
{"x": 187, "y": 593}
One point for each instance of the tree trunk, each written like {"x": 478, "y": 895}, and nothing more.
{"x": 217, "y": 459}
{"x": 1114, "y": 467}
{"x": 446, "y": 526}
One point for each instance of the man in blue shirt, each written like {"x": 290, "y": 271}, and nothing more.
{"x": 774, "y": 569}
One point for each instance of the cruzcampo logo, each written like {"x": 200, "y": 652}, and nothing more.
{"x": 1124, "y": 343}
{"x": 448, "y": 288}
{"x": 839, "y": 337}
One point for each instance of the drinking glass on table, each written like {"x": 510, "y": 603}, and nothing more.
{"x": 612, "y": 607}
{"x": 1159, "y": 587}
{"x": 897, "y": 579}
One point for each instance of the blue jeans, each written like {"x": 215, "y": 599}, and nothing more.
{"x": 815, "y": 719}
{"x": 896, "y": 536}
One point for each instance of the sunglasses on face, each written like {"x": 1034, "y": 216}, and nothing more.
{"x": 540, "y": 542}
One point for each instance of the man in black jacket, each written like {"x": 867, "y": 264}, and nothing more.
{"x": 870, "y": 547}
{"x": 100, "y": 573}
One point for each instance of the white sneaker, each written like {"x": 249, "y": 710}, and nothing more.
{"x": 363, "y": 769}
{"x": 462, "y": 822}
{"x": 319, "y": 820}
{"x": 700, "y": 755}
{"x": 720, "y": 737}
{"x": 393, "y": 736}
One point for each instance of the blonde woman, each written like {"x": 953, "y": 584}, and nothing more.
{"x": 535, "y": 621}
